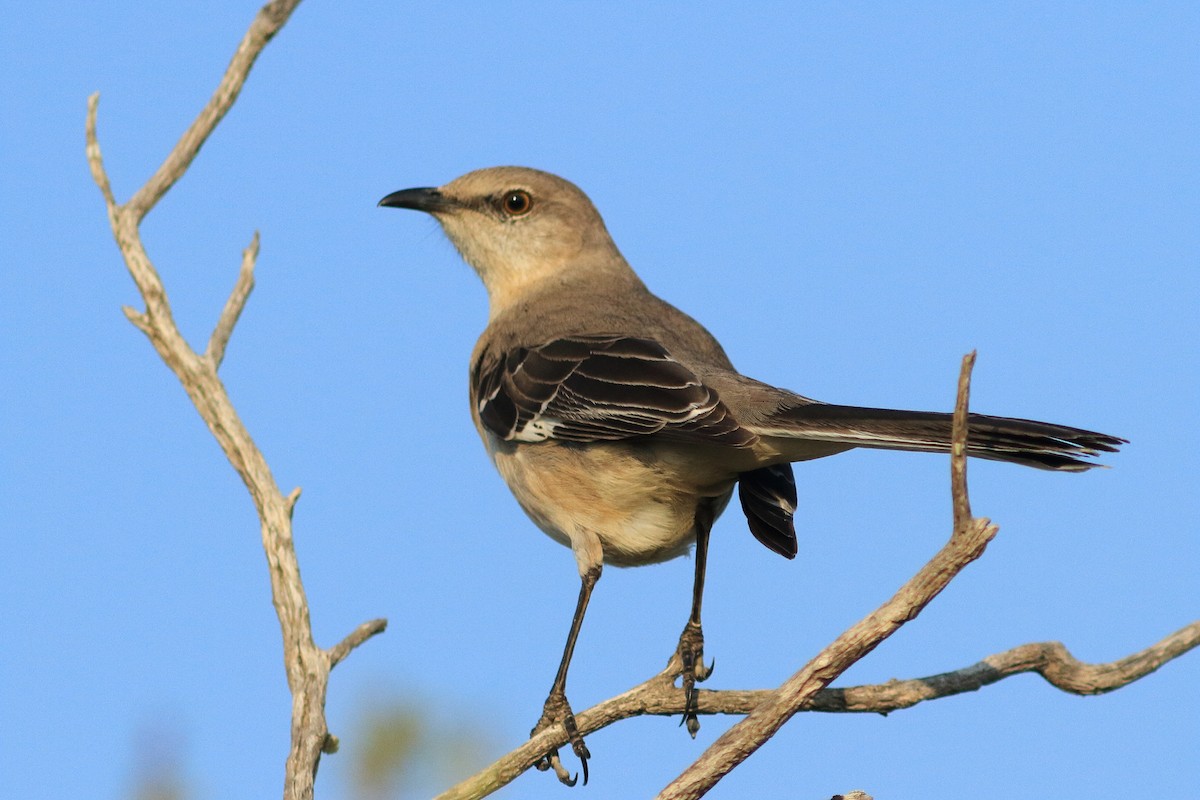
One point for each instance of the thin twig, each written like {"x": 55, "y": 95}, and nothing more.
{"x": 139, "y": 320}
{"x": 958, "y": 445}
{"x": 94, "y": 159}
{"x": 291, "y": 500}
{"x": 219, "y": 340}
{"x": 356, "y": 637}
{"x": 125, "y": 230}
{"x": 267, "y": 23}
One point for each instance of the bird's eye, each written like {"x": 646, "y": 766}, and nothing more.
{"x": 516, "y": 203}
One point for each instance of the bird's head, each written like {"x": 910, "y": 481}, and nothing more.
{"x": 517, "y": 227}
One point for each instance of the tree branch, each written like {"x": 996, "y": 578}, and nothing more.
{"x": 307, "y": 666}
{"x": 659, "y": 696}
{"x": 356, "y": 637}
{"x": 266, "y": 24}
{"x": 967, "y": 542}
{"x": 215, "y": 352}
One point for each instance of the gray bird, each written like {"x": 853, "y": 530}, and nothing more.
{"x": 620, "y": 425}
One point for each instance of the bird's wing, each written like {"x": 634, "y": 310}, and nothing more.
{"x": 598, "y": 388}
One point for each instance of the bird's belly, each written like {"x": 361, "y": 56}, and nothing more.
{"x": 638, "y": 505}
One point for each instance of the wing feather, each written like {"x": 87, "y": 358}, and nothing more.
{"x": 598, "y": 388}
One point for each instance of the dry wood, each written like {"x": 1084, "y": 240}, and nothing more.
{"x": 307, "y": 666}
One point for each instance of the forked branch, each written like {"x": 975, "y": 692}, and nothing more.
{"x": 969, "y": 536}
{"x": 307, "y": 665}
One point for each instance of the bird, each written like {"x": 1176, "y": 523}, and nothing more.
{"x": 621, "y": 426}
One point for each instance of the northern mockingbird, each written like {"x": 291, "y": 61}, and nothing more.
{"x": 619, "y": 423}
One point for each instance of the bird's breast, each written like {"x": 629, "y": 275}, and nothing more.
{"x": 639, "y": 504}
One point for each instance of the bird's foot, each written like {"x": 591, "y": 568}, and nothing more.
{"x": 692, "y": 670}
{"x": 557, "y": 711}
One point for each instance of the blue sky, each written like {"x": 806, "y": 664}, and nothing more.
{"x": 851, "y": 196}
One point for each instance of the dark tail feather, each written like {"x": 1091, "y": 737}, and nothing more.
{"x": 1020, "y": 441}
{"x": 768, "y": 497}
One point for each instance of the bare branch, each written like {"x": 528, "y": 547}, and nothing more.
{"x": 130, "y": 243}
{"x": 1051, "y": 660}
{"x": 138, "y": 319}
{"x": 356, "y": 637}
{"x": 967, "y": 543}
{"x": 267, "y": 23}
{"x": 94, "y": 159}
{"x": 293, "y": 498}
{"x": 658, "y": 696}
{"x": 958, "y": 445}
{"x": 233, "y": 306}
{"x": 307, "y": 666}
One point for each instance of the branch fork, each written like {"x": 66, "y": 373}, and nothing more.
{"x": 307, "y": 665}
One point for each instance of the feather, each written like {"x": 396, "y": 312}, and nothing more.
{"x": 598, "y": 388}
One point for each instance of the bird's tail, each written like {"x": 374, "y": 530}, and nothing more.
{"x": 1021, "y": 441}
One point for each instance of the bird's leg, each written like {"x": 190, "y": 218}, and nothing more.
{"x": 691, "y": 642}
{"x": 557, "y": 709}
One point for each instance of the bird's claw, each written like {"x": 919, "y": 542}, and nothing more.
{"x": 692, "y": 671}
{"x": 558, "y": 711}
{"x": 552, "y": 761}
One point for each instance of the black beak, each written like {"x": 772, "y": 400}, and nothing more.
{"x": 429, "y": 200}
